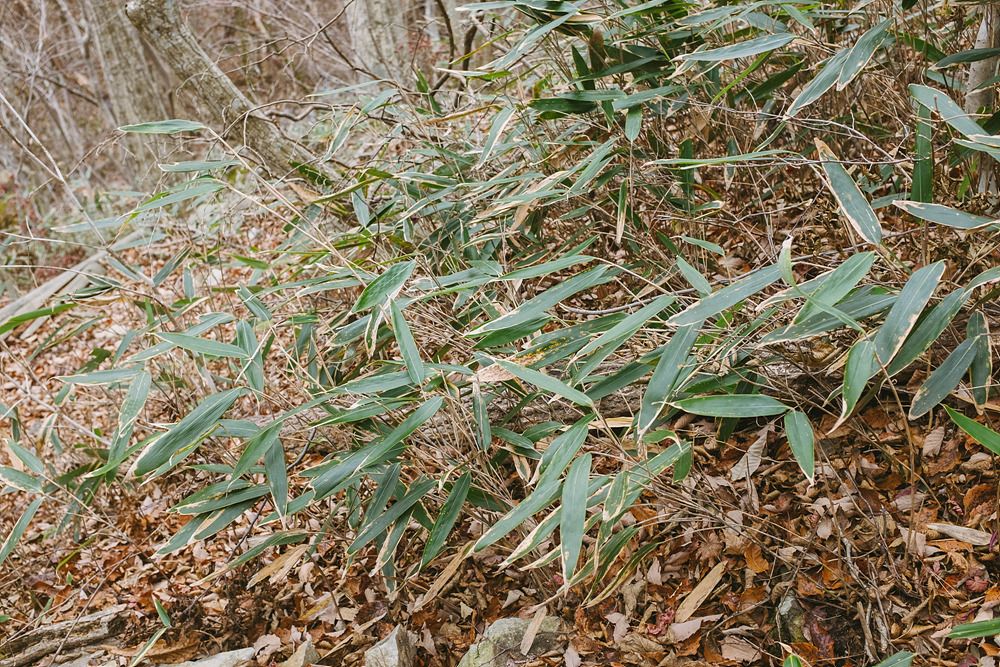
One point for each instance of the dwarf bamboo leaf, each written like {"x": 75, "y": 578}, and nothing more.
{"x": 975, "y": 630}
{"x": 376, "y": 451}
{"x": 168, "y": 198}
{"x": 982, "y": 363}
{"x": 669, "y": 371}
{"x": 944, "y": 379}
{"x": 135, "y": 399}
{"x": 944, "y": 215}
{"x": 742, "y": 50}
{"x": 821, "y": 83}
{"x": 951, "y": 113}
{"x": 800, "y": 436}
{"x": 860, "y": 367}
{"x": 446, "y": 519}
{"x": 18, "y": 530}
{"x": 188, "y": 432}
{"x": 546, "y": 382}
{"x": 386, "y": 286}
{"x": 923, "y": 165}
{"x": 727, "y": 297}
{"x": 903, "y": 315}
{"x": 986, "y": 437}
{"x": 277, "y": 477}
{"x": 732, "y": 405}
{"x": 203, "y": 346}
{"x": 407, "y": 346}
{"x": 928, "y": 331}
{"x": 900, "y": 659}
{"x": 535, "y": 308}
{"x": 499, "y": 124}
{"x": 414, "y": 494}
{"x": 852, "y": 202}
{"x": 164, "y": 127}
{"x": 574, "y": 513}
{"x": 862, "y": 52}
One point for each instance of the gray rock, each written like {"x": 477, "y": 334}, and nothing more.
{"x": 227, "y": 659}
{"x": 396, "y": 650}
{"x": 304, "y": 655}
{"x": 501, "y": 644}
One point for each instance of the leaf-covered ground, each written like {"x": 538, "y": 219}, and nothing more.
{"x": 891, "y": 546}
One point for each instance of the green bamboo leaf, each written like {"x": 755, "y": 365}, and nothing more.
{"x": 239, "y": 492}
{"x": 198, "y": 165}
{"x": 556, "y": 458}
{"x": 668, "y": 374}
{"x": 407, "y": 346}
{"x": 375, "y": 452}
{"x": 546, "y": 268}
{"x": 852, "y": 202}
{"x": 801, "y": 440}
{"x": 633, "y": 123}
{"x": 260, "y": 443}
{"x": 536, "y": 307}
{"x": 496, "y": 129}
{"x": 176, "y": 197}
{"x": 900, "y": 659}
{"x": 18, "y": 530}
{"x": 944, "y": 215}
{"x": 838, "y": 284}
{"x": 975, "y": 630}
{"x": 903, "y": 315}
{"x": 821, "y": 83}
{"x": 30, "y": 461}
{"x": 546, "y": 382}
{"x": 694, "y": 277}
{"x": 164, "y": 127}
{"x": 111, "y": 376}
{"x": 950, "y": 112}
{"x": 277, "y": 476}
{"x": 20, "y": 480}
{"x": 187, "y": 433}
{"x": 741, "y": 50}
{"x": 386, "y": 286}
{"x": 574, "y": 514}
{"x": 605, "y": 344}
{"x": 860, "y": 367}
{"x": 135, "y": 399}
{"x": 861, "y": 53}
{"x": 982, "y": 363}
{"x": 414, "y": 494}
{"x": 446, "y": 519}
{"x": 727, "y": 297}
{"x": 220, "y": 520}
{"x": 944, "y": 379}
{"x": 923, "y": 166}
{"x": 145, "y": 647}
{"x": 928, "y": 331}
{"x": 202, "y": 346}
{"x": 736, "y": 406}
{"x": 986, "y": 437}
{"x": 969, "y": 56}
{"x": 253, "y": 367}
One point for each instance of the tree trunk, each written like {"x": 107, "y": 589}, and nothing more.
{"x": 378, "y": 36}
{"x": 979, "y": 72}
{"x": 133, "y": 91}
{"x": 235, "y": 115}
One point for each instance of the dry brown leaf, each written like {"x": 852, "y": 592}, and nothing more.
{"x": 700, "y": 593}
{"x": 532, "y": 631}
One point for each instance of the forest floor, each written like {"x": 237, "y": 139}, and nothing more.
{"x": 892, "y": 545}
